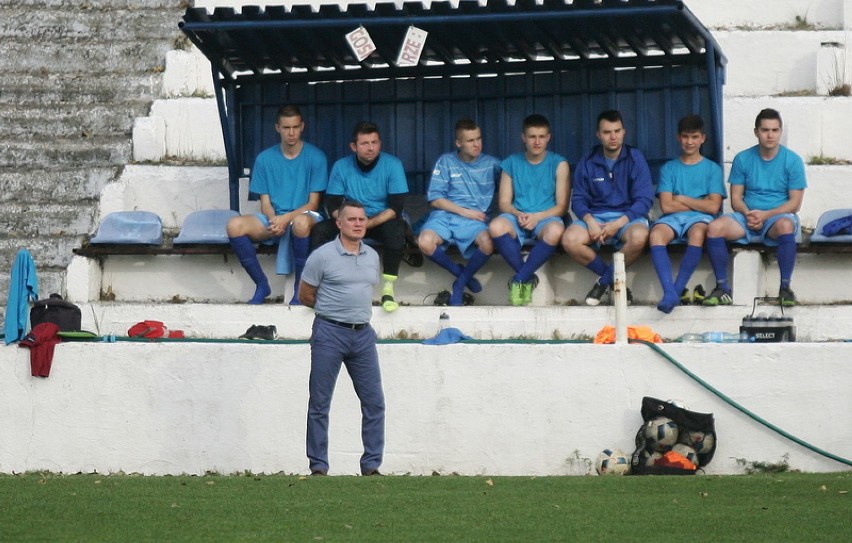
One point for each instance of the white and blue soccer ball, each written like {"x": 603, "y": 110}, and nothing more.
{"x": 687, "y": 452}
{"x": 648, "y": 458}
{"x": 661, "y": 433}
{"x": 701, "y": 442}
{"x": 612, "y": 462}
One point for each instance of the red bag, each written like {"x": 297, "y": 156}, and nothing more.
{"x": 152, "y": 330}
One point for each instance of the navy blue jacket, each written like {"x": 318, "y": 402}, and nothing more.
{"x": 626, "y": 189}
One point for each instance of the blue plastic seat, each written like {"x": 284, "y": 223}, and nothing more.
{"x": 130, "y": 227}
{"x": 205, "y": 226}
{"x": 825, "y": 218}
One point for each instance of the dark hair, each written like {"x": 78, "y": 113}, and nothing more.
{"x": 768, "y": 113}
{"x": 349, "y": 203}
{"x": 536, "y": 121}
{"x": 464, "y": 124}
{"x": 610, "y": 115}
{"x": 364, "y": 127}
{"x": 690, "y": 123}
{"x": 289, "y": 110}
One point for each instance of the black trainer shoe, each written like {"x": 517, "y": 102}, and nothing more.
{"x": 698, "y": 295}
{"x": 718, "y": 297}
{"x": 685, "y": 298}
{"x": 249, "y": 334}
{"x": 443, "y": 298}
{"x": 266, "y": 332}
{"x": 787, "y": 297}
{"x": 594, "y": 296}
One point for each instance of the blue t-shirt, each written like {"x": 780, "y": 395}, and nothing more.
{"x": 533, "y": 185}
{"x": 768, "y": 182}
{"x": 289, "y": 182}
{"x": 694, "y": 180}
{"x": 467, "y": 184}
{"x": 370, "y": 188}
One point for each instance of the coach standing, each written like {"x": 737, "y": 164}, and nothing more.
{"x": 338, "y": 283}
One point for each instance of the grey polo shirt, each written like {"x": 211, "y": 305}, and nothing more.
{"x": 344, "y": 281}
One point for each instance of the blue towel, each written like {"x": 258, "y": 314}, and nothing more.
{"x": 284, "y": 258}
{"x": 447, "y": 336}
{"x": 23, "y": 287}
{"x": 838, "y": 227}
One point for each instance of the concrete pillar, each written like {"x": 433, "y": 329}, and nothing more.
{"x": 747, "y": 276}
{"x": 83, "y": 280}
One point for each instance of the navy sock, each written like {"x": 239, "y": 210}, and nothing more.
{"x": 786, "y": 257}
{"x": 441, "y": 258}
{"x": 510, "y": 249}
{"x": 539, "y": 254}
{"x": 474, "y": 264}
{"x": 688, "y": 264}
{"x": 717, "y": 250}
{"x": 601, "y": 269}
{"x": 301, "y": 249}
{"x": 247, "y": 255}
{"x": 663, "y": 267}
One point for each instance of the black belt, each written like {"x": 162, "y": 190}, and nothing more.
{"x": 351, "y": 326}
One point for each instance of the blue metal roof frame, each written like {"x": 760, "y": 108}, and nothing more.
{"x": 480, "y": 61}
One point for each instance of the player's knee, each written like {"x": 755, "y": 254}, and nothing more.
{"x": 552, "y": 233}
{"x": 716, "y": 229}
{"x": 783, "y": 226}
{"x": 427, "y": 243}
{"x": 302, "y": 224}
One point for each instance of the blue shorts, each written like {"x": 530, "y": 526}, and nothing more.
{"x": 455, "y": 230}
{"x": 610, "y": 216}
{"x": 529, "y": 237}
{"x": 264, "y": 220}
{"x": 760, "y": 236}
{"x": 681, "y": 222}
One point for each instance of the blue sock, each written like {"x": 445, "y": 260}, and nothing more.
{"x": 466, "y": 277}
{"x": 717, "y": 250}
{"x": 247, "y": 255}
{"x": 601, "y": 269}
{"x": 440, "y": 258}
{"x": 663, "y": 267}
{"x": 688, "y": 264}
{"x": 510, "y": 250}
{"x": 301, "y": 248}
{"x": 539, "y": 254}
{"x": 786, "y": 257}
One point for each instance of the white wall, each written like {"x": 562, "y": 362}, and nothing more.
{"x": 499, "y": 409}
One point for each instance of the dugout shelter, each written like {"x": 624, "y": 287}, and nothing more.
{"x": 495, "y": 62}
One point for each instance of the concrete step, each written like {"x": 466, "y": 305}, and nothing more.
{"x": 83, "y": 56}
{"x": 39, "y": 89}
{"x": 46, "y": 184}
{"x": 49, "y": 279}
{"x": 49, "y": 252}
{"x": 69, "y": 120}
{"x": 32, "y": 218}
{"x": 98, "y": 151}
{"x": 87, "y": 6}
{"x": 49, "y": 23}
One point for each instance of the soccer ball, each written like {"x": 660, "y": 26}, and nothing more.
{"x": 648, "y": 458}
{"x": 701, "y": 442}
{"x": 612, "y": 462}
{"x": 686, "y": 451}
{"x": 661, "y": 433}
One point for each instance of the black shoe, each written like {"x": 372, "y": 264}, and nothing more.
{"x": 685, "y": 298}
{"x": 371, "y": 473}
{"x": 698, "y": 295}
{"x": 249, "y": 334}
{"x": 443, "y": 298}
{"x": 467, "y": 299}
{"x": 318, "y": 473}
{"x": 594, "y": 296}
{"x": 266, "y": 332}
{"x": 787, "y": 297}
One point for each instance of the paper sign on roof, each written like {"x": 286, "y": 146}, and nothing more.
{"x": 361, "y": 43}
{"x": 412, "y": 47}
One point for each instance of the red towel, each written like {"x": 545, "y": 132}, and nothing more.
{"x": 41, "y": 341}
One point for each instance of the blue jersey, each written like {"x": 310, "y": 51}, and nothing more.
{"x": 767, "y": 182}
{"x": 533, "y": 185}
{"x": 693, "y": 180}
{"x": 370, "y": 188}
{"x": 624, "y": 187}
{"x": 467, "y": 184}
{"x": 289, "y": 182}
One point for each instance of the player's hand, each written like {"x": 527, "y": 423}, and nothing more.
{"x": 473, "y": 214}
{"x": 594, "y": 231}
{"x": 278, "y": 225}
{"x": 528, "y": 221}
{"x": 755, "y": 219}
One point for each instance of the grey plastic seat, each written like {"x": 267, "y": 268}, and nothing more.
{"x": 205, "y": 226}
{"x": 130, "y": 227}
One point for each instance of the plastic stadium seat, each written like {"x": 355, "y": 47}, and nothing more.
{"x": 130, "y": 227}
{"x": 826, "y": 218}
{"x": 205, "y": 226}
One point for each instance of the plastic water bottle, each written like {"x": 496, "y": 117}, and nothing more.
{"x": 721, "y": 337}
{"x": 443, "y": 321}
{"x": 691, "y": 338}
